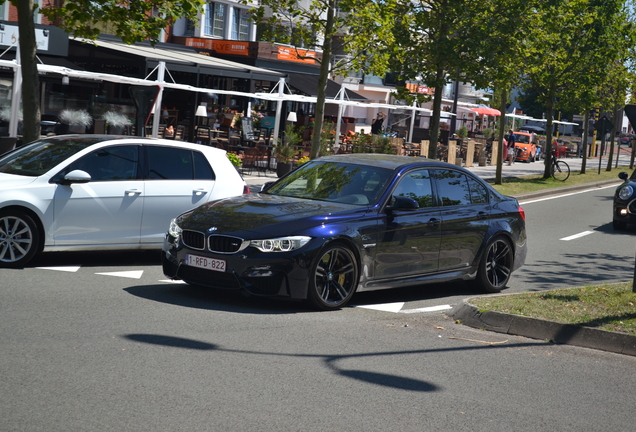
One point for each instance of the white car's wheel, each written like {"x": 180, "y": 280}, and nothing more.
{"x": 19, "y": 238}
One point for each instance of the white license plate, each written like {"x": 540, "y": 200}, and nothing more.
{"x": 205, "y": 263}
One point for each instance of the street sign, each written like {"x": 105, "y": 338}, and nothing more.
{"x": 603, "y": 125}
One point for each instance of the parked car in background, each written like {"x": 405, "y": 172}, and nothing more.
{"x": 347, "y": 223}
{"x": 625, "y": 202}
{"x": 79, "y": 192}
{"x": 526, "y": 148}
{"x": 626, "y": 141}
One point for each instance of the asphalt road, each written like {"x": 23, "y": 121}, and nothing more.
{"x": 103, "y": 342}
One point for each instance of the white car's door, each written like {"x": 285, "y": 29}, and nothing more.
{"x": 106, "y": 210}
{"x": 178, "y": 180}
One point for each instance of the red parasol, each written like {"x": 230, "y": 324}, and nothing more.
{"x": 483, "y": 109}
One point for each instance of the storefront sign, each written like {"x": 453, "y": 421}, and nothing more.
{"x": 9, "y": 35}
{"x": 292, "y": 54}
{"x": 49, "y": 39}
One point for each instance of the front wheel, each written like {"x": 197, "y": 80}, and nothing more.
{"x": 19, "y": 238}
{"x": 334, "y": 278}
{"x": 561, "y": 171}
{"x": 495, "y": 266}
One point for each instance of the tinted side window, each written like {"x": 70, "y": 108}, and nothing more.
{"x": 202, "y": 169}
{"x": 169, "y": 163}
{"x": 110, "y": 164}
{"x": 416, "y": 185}
{"x": 478, "y": 192}
{"x": 452, "y": 187}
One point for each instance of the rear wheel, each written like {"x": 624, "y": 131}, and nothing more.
{"x": 334, "y": 278}
{"x": 19, "y": 238}
{"x": 495, "y": 266}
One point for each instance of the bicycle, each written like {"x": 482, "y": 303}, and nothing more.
{"x": 560, "y": 170}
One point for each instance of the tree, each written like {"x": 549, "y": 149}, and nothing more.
{"x": 571, "y": 50}
{"x": 468, "y": 40}
{"x": 138, "y": 20}
{"x": 356, "y": 27}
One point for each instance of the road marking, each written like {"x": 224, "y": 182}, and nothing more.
{"x": 575, "y": 236}
{"x": 568, "y": 194}
{"x": 386, "y": 307}
{"x": 135, "y": 274}
{"x": 428, "y": 309}
{"x": 71, "y": 269}
{"x": 172, "y": 281}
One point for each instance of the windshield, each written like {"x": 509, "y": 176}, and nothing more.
{"x": 38, "y": 157}
{"x": 522, "y": 139}
{"x": 332, "y": 181}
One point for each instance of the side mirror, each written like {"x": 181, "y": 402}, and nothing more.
{"x": 76, "y": 176}
{"x": 623, "y": 176}
{"x": 402, "y": 203}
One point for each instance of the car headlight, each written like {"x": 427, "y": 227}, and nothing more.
{"x": 174, "y": 230}
{"x": 282, "y": 244}
{"x": 625, "y": 192}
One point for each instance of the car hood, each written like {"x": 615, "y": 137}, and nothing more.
{"x": 270, "y": 215}
{"x": 12, "y": 181}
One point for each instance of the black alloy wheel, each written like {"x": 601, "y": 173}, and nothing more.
{"x": 19, "y": 238}
{"x": 334, "y": 278}
{"x": 495, "y": 266}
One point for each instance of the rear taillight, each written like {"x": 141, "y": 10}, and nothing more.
{"x": 246, "y": 190}
{"x": 522, "y": 213}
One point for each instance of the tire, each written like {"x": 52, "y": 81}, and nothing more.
{"x": 619, "y": 225}
{"x": 334, "y": 278}
{"x": 19, "y": 239}
{"x": 561, "y": 171}
{"x": 495, "y": 266}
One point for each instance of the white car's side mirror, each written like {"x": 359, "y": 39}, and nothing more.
{"x": 77, "y": 176}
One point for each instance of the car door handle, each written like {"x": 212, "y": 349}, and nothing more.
{"x": 132, "y": 192}
{"x": 482, "y": 215}
{"x": 199, "y": 191}
{"x": 433, "y": 222}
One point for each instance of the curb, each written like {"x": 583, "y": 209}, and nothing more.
{"x": 565, "y": 334}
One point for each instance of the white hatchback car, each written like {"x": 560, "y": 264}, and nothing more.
{"x": 100, "y": 192}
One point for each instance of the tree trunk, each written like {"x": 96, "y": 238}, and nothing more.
{"x": 322, "y": 82}
{"x": 586, "y": 133}
{"x": 434, "y": 126}
{"x": 549, "y": 108}
{"x": 500, "y": 134}
{"x": 30, "y": 78}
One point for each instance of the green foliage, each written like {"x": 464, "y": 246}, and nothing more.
{"x": 236, "y": 161}
{"x": 285, "y": 149}
{"x": 462, "y": 132}
{"x": 134, "y": 21}
{"x": 363, "y": 143}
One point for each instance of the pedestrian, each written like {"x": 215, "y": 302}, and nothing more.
{"x": 510, "y": 144}
{"x": 376, "y": 124}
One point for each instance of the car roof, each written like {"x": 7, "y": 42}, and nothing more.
{"x": 388, "y": 161}
{"x": 92, "y": 139}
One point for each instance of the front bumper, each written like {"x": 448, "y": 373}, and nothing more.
{"x": 280, "y": 274}
{"x": 625, "y": 211}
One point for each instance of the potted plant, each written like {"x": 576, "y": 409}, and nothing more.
{"x": 236, "y": 161}
{"x": 285, "y": 150}
{"x": 75, "y": 121}
{"x": 116, "y": 122}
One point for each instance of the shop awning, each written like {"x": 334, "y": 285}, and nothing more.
{"x": 308, "y": 85}
{"x": 186, "y": 59}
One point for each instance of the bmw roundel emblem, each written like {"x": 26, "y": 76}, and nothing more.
{"x": 211, "y": 229}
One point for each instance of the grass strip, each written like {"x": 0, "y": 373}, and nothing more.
{"x": 606, "y": 307}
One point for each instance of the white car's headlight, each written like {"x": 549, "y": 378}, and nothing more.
{"x": 625, "y": 192}
{"x": 175, "y": 229}
{"x": 283, "y": 244}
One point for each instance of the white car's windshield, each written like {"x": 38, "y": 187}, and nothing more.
{"x": 332, "y": 181}
{"x": 38, "y": 157}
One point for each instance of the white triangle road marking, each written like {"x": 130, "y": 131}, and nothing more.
{"x": 172, "y": 281}
{"x": 428, "y": 309}
{"x": 386, "y": 307}
{"x": 135, "y": 274}
{"x": 71, "y": 269}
